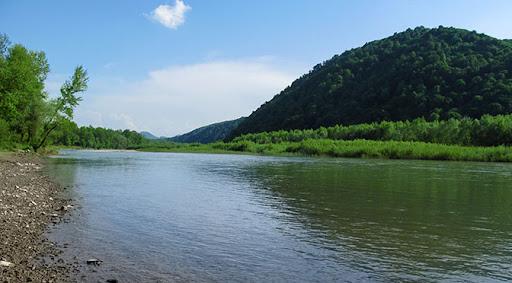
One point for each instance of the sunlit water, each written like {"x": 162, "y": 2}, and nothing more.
{"x": 200, "y": 217}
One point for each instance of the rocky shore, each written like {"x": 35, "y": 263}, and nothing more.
{"x": 29, "y": 203}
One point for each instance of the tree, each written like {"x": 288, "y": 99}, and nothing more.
{"x": 63, "y": 107}
{"x": 22, "y": 95}
{"x": 29, "y": 118}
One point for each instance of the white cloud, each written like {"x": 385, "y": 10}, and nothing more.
{"x": 181, "y": 98}
{"x": 171, "y": 16}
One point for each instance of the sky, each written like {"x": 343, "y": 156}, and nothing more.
{"x": 169, "y": 67}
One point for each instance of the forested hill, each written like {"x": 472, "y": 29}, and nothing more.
{"x": 210, "y": 133}
{"x": 436, "y": 73}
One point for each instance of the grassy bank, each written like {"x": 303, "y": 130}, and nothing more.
{"x": 354, "y": 148}
{"x": 185, "y": 148}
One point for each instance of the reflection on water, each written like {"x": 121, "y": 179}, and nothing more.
{"x": 200, "y": 217}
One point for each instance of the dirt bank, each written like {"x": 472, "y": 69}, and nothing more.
{"x": 29, "y": 203}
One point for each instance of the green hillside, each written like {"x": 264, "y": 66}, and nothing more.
{"x": 209, "y": 133}
{"x": 436, "y": 74}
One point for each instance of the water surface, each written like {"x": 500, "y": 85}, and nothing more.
{"x": 200, "y": 217}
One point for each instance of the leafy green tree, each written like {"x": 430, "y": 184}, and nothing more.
{"x": 62, "y": 108}
{"x": 29, "y": 118}
{"x": 22, "y": 95}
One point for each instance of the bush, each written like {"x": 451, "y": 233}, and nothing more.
{"x": 486, "y": 131}
{"x": 5, "y": 135}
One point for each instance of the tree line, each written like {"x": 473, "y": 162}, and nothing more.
{"x": 31, "y": 119}
{"x": 486, "y": 131}
{"x": 69, "y": 134}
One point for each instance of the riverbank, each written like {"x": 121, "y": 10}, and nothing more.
{"x": 352, "y": 148}
{"x": 29, "y": 203}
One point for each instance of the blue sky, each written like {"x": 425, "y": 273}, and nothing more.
{"x": 214, "y": 60}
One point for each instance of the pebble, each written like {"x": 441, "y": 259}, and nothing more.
{"x": 27, "y": 198}
{"x": 6, "y": 263}
{"x": 93, "y": 261}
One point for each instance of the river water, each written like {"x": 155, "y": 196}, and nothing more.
{"x": 165, "y": 217}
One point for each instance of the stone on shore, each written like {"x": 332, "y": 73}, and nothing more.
{"x": 27, "y": 201}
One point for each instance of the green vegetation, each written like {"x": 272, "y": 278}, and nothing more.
{"x": 486, "y": 139}
{"x": 412, "y": 94}
{"x": 354, "y": 148}
{"x": 164, "y": 146}
{"x": 29, "y": 119}
{"x": 209, "y": 133}
{"x": 486, "y": 131}
{"x": 69, "y": 134}
{"x": 27, "y": 115}
{"x": 436, "y": 74}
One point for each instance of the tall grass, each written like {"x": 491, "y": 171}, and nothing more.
{"x": 486, "y": 139}
{"x": 355, "y": 148}
{"x": 375, "y": 149}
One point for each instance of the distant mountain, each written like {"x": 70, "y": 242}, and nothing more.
{"x": 438, "y": 73}
{"x": 148, "y": 135}
{"x": 210, "y": 133}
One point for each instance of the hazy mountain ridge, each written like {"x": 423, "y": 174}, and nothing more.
{"x": 209, "y": 133}
{"x": 148, "y": 135}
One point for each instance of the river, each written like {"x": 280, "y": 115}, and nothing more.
{"x": 165, "y": 217}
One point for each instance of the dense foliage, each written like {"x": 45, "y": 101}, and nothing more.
{"x": 22, "y": 96}
{"x": 486, "y": 139}
{"x": 436, "y": 74}
{"x": 69, "y": 134}
{"x": 486, "y": 131}
{"x": 209, "y": 133}
{"x": 373, "y": 149}
{"x": 347, "y": 148}
{"x": 27, "y": 115}
{"x": 30, "y": 119}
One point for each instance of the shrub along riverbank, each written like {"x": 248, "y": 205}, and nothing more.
{"x": 486, "y": 139}
{"x": 486, "y": 131}
{"x": 355, "y": 148}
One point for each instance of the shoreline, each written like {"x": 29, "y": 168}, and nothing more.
{"x": 366, "y": 149}
{"x": 30, "y": 203}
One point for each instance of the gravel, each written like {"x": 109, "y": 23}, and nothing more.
{"x": 29, "y": 203}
